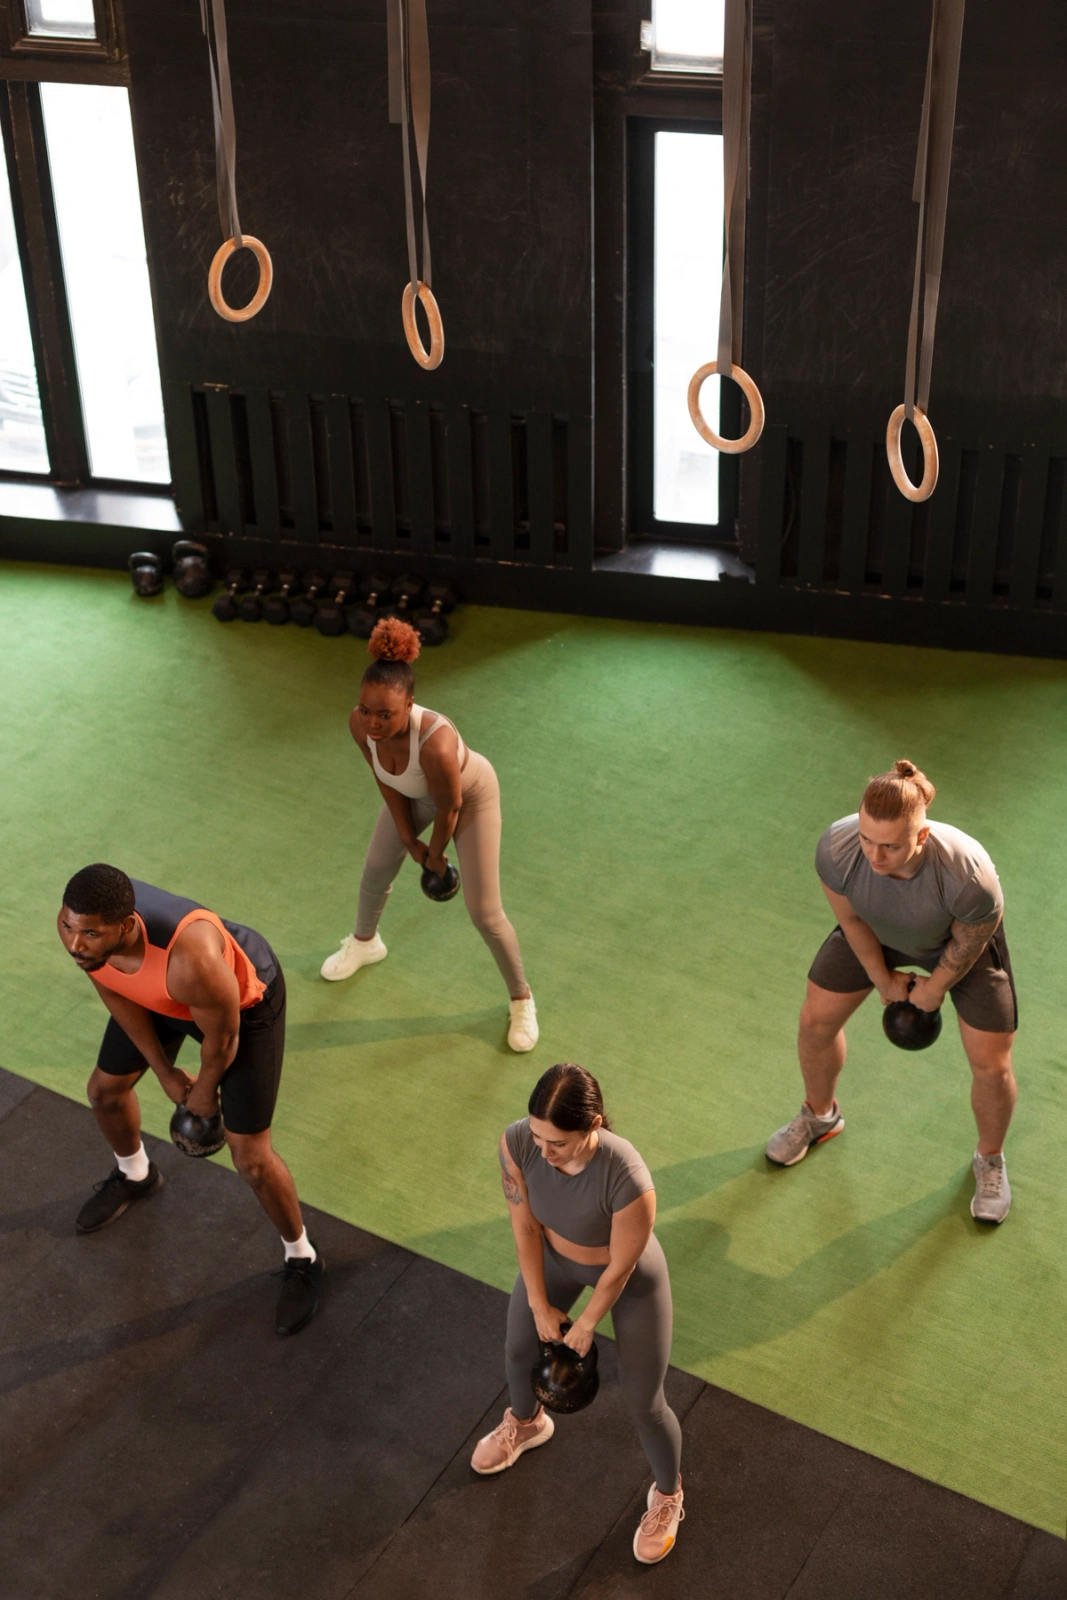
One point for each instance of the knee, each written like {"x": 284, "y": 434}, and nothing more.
{"x": 104, "y": 1095}
{"x": 253, "y": 1166}
{"x": 490, "y": 924}
{"x": 816, "y": 1026}
{"x": 994, "y": 1071}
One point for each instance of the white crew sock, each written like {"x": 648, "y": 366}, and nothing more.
{"x": 300, "y": 1247}
{"x": 134, "y": 1167}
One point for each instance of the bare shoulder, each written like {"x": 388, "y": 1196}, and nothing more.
{"x": 197, "y": 964}
{"x": 440, "y": 753}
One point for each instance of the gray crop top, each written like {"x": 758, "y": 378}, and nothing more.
{"x": 579, "y": 1206}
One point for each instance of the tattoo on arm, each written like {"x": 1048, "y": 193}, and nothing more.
{"x": 966, "y": 944}
{"x": 512, "y": 1192}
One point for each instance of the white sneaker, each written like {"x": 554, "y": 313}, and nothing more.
{"x": 353, "y": 954}
{"x": 523, "y": 1032}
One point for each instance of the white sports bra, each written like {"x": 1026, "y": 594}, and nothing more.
{"x": 412, "y": 781}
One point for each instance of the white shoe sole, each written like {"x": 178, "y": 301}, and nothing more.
{"x": 367, "y": 961}
{"x": 991, "y": 1222}
{"x": 531, "y": 1444}
{"x": 522, "y": 1049}
{"x": 822, "y": 1139}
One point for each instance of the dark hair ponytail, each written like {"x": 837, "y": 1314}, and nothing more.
{"x": 568, "y": 1097}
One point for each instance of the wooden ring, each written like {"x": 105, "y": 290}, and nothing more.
{"x": 214, "y": 279}
{"x": 729, "y": 447}
{"x": 912, "y": 491}
{"x": 411, "y": 331}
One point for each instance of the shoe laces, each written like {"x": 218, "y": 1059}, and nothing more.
{"x": 660, "y": 1514}
{"x": 116, "y": 1175}
{"x": 296, "y": 1267}
{"x": 991, "y": 1177}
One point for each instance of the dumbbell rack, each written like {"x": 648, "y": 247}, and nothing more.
{"x": 337, "y": 603}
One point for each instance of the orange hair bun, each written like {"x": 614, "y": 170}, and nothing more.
{"x": 393, "y": 640}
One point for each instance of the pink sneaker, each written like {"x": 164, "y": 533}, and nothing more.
{"x": 503, "y": 1447}
{"x": 658, "y": 1528}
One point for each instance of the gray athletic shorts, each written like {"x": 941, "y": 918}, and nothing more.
{"x": 985, "y": 997}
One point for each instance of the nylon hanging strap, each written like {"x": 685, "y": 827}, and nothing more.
{"x": 409, "y": 104}
{"x": 932, "y": 169}
{"x": 214, "y": 25}
{"x": 736, "y": 122}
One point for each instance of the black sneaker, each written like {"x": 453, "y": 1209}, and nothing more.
{"x": 110, "y": 1198}
{"x": 299, "y": 1299}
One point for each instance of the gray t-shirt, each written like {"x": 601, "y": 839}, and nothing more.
{"x": 956, "y": 882}
{"x": 579, "y": 1206}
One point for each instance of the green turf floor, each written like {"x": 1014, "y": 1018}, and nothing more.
{"x": 663, "y": 792}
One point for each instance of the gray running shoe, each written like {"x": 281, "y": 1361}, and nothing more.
{"x": 992, "y": 1191}
{"x": 792, "y": 1143}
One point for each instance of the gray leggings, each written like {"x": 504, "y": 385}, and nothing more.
{"x": 478, "y": 848}
{"x": 643, "y": 1317}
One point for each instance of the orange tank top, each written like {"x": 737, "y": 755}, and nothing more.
{"x": 148, "y": 985}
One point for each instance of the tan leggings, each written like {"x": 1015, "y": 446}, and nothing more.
{"x": 478, "y": 848}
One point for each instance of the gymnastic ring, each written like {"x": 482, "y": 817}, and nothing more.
{"x": 729, "y": 447}
{"x": 411, "y": 331}
{"x": 214, "y": 279}
{"x": 912, "y": 491}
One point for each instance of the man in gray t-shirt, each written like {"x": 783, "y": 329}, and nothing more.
{"x": 909, "y": 893}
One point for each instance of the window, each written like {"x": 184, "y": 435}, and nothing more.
{"x": 101, "y": 237}
{"x": 60, "y": 19}
{"x": 22, "y": 440}
{"x": 94, "y": 393}
{"x": 685, "y": 36}
{"x": 680, "y": 488}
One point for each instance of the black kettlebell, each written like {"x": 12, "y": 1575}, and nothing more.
{"x": 197, "y": 1136}
{"x": 437, "y": 886}
{"x": 146, "y": 572}
{"x": 192, "y": 575}
{"x": 563, "y": 1380}
{"x": 909, "y": 1028}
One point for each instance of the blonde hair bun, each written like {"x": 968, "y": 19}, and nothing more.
{"x": 900, "y": 793}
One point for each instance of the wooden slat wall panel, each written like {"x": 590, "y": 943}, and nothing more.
{"x": 941, "y": 526}
{"x": 301, "y": 470}
{"x": 342, "y": 480}
{"x": 460, "y": 493}
{"x": 501, "y": 501}
{"x": 220, "y": 428}
{"x": 579, "y": 494}
{"x": 380, "y": 456}
{"x": 811, "y": 533}
{"x": 420, "y": 479}
{"x": 896, "y": 542}
{"x": 855, "y": 514}
{"x": 1022, "y": 587}
{"x": 184, "y": 456}
{"x": 539, "y": 486}
{"x": 264, "y": 471}
{"x": 772, "y": 448}
{"x": 983, "y": 551}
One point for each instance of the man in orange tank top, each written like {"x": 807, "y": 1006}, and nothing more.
{"x": 167, "y": 968}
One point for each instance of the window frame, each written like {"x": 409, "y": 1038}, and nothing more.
{"x": 19, "y": 47}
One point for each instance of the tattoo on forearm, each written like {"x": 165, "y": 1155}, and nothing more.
{"x": 968, "y": 941}
{"x": 512, "y": 1192}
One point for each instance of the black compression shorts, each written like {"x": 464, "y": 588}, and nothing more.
{"x": 984, "y": 997}
{"x": 249, "y": 1087}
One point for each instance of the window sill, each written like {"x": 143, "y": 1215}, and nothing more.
{"x": 654, "y": 559}
{"x": 83, "y": 527}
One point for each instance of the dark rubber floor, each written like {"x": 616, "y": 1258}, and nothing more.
{"x": 160, "y": 1442}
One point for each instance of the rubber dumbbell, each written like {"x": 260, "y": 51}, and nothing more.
{"x": 225, "y": 607}
{"x": 146, "y": 572}
{"x": 406, "y": 592}
{"x": 192, "y": 575}
{"x": 250, "y": 606}
{"x": 276, "y": 606}
{"x": 331, "y": 618}
{"x": 432, "y": 625}
{"x": 302, "y": 609}
{"x": 362, "y": 617}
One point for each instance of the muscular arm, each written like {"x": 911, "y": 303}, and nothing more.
{"x": 631, "y": 1229}
{"x": 966, "y": 943}
{"x": 867, "y": 948}
{"x": 198, "y": 976}
{"x": 136, "y": 1022}
{"x": 440, "y": 762}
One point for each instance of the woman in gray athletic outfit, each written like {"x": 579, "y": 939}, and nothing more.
{"x": 428, "y": 776}
{"x": 582, "y": 1208}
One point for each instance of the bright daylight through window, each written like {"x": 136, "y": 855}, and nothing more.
{"x": 94, "y": 181}
{"x": 61, "y": 19}
{"x": 22, "y": 440}
{"x": 688, "y": 258}
{"x": 686, "y": 35}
